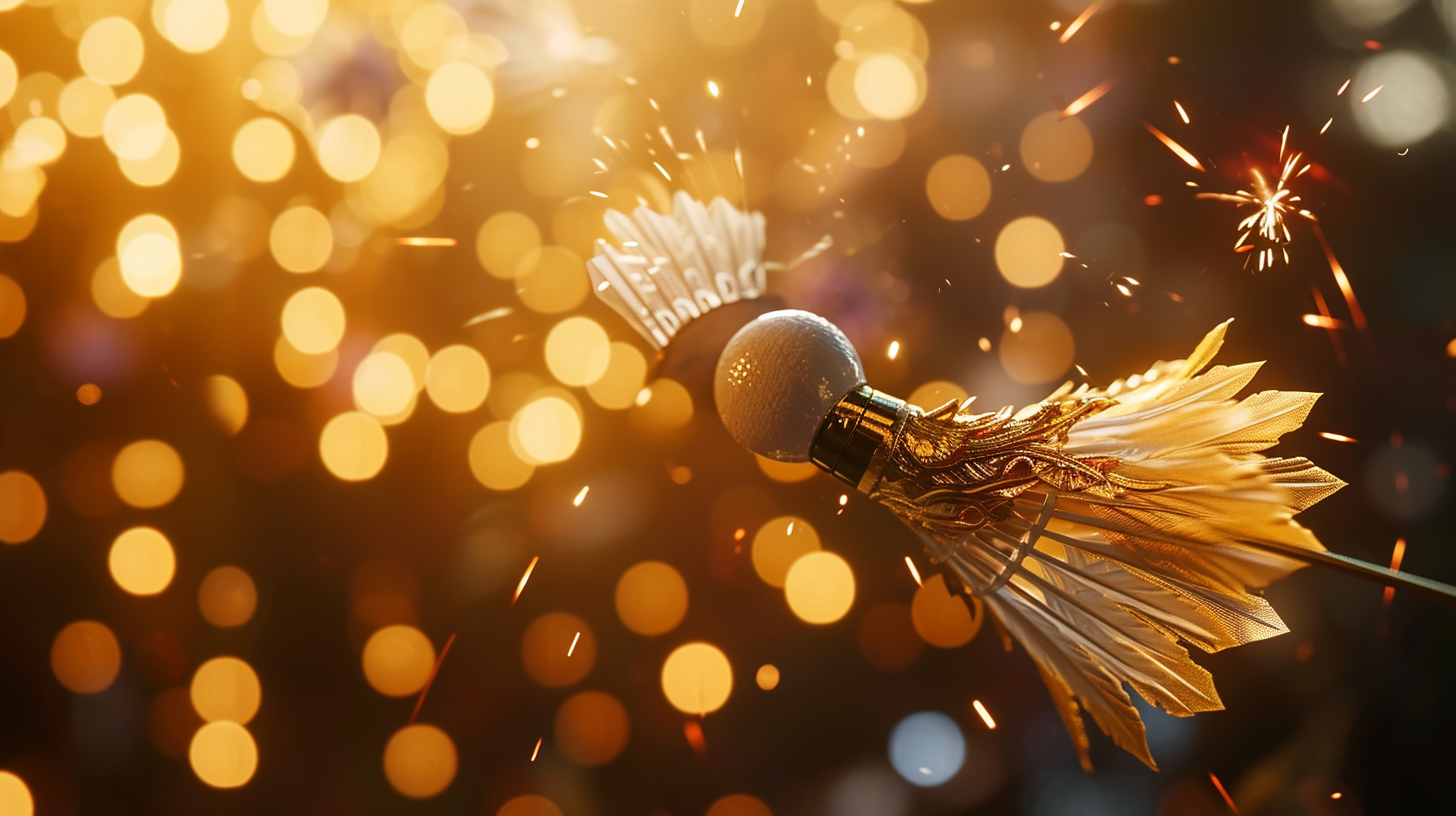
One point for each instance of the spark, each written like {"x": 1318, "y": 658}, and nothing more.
{"x": 1081, "y": 370}
{"x": 1080, "y": 21}
{"x": 597, "y": 194}
{"x": 914, "y": 573}
{"x": 431, "y": 679}
{"x": 1396, "y": 556}
{"x": 663, "y": 172}
{"x": 493, "y": 314}
{"x": 572, "y": 647}
{"x": 533, "y": 143}
{"x": 1343, "y": 88}
{"x": 843, "y": 499}
{"x": 1181, "y": 112}
{"x": 1015, "y": 325}
{"x": 1082, "y": 102}
{"x": 425, "y": 241}
{"x": 985, "y": 715}
{"x": 1126, "y": 292}
{"x": 1328, "y": 122}
{"x": 537, "y": 749}
{"x": 524, "y": 578}
{"x": 1356, "y": 313}
{"x": 1336, "y": 795}
{"x": 739, "y": 534}
{"x": 894, "y": 349}
{"x": 984, "y": 344}
{"x": 694, "y": 733}
{"x": 1322, "y": 322}
{"x": 1334, "y": 437}
{"x": 1272, "y": 205}
{"x": 1228, "y": 800}
{"x": 580, "y": 497}
{"x": 1177, "y": 149}
{"x": 737, "y": 11}
{"x": 1056, "y": 25}
{"x": 1371, "y": 95}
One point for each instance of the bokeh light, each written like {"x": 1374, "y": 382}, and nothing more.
{"x": 890, "y": 85}
{"x": 150, "y": 258}
{"x": 263, "y": 149}
{"x": 942, "y": 619}
{"x": 529, "y": 805}
{"x": 112, "y": 295}
{"x": 111, "y": 50}
{"x": 227, "y": 597}
{"x": 353, "y": 446}
{"x": 420, "y": 761}
{"x": 12, "y": 306}
{"x": 767, "y": 677}
{"x": 457, "y": 378}
{"x": 778, "y": 544}
{"x": 936, "y": 393}
{"x": 383, "y": 384}
{"x": 505, "y": 242}
{"x": 819, "y": 587}
{"x": 577, "y": 351}
{"x": 86, "y": 657}
{"x": 223, "y": 754}
{"x": 302, "y": 370}
{"x": 651, "y": 598}
{"x": 493, "y": 461}
{"x": 83, "y": 105}
{"x": 1029, "y": 252}
{"x": 739, "y": 804}
{"x": 1055, "y": 148}
{"x": 22, "y": 507}
{"x": 226, "y": 688}
{"x": 1039, "y": 351}
{"x": 591, "y": 728}
{"x": 552, "y": 280}
{"x": 460, "y": 98}
{"x": 398, "y": 660}
{"x": 313, "y": 320}
{"x": 786, "y": 472}
{"x": 142, "y": 561}
{"x": 227, "y": 401}
{"x": 147, "y": 473}
{"x": 1413, "y": 104}
{"x": 135, "y": 127}
{"x": 558, "y": 649}
{"x": 15, "y": 798}
{"x": 661, "y": 407}
{"x": 697, "y": 678}
{"x": 546, "y": 430}
{"x": 194, "y": 26}
{"x": 958, "y": 187}
{"x": 927, "y": 749}
{"x": 348, "y": 147}
{"x": 301, "y": 240}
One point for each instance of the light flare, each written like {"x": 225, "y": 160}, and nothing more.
{"x": 985, "y": 715}
{"x": 914, "y": 573}
{"x": 1367, "y": 97}
{"x": 580, "y": 497}
{"x": 1080, "y": 21}
{"x": 1323, "y": 322}
{"x": 1334, "y": 437}
{"x": 1178, "y": 150}
{"x": 1182, "y": 113}
{"x": 524, "y": 578}
{"x": 1082, "y": 102}
{"x": 425, "y": 241}
{"x": 1272, "y": 205}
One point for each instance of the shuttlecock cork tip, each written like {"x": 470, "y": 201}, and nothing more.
{"x": 778, "y": 378}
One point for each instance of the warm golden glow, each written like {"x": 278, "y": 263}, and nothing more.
{"x": 353, "y": 446}
{"x": 85, "y": 657}
{"x": 313, "y": 320}
{"x": 662, "y": 407}
{"x": 227, "y": 402}
{"x": 151, "y": 260}
{"x": 546, "y": 644}
{"x": 778, "y": 544}
{"x": 227, "y": 597}
{"x": 1041, "y": 350}
{"x": 457, "y": 379}
{"x": 22, "y": 507}
{"x": 651, "y": 598}
{"x": 420, "y": 761}
{"x": 135, "y": 127}
{"x": 226, "y": 688}
{"x": 622, "y": 380}
{"x": 142, "y": 561}
{"x": 194, "y": 26}
{"x": 156, "y": 169}
{"x": 937, "y": 393}
{"x": 295, "y": 18}
{"x": 302, "y": 370}
{"x": 493, "y": 461}
{"x": 147, "y": 473}
{"x": 348, "y": 147}
{"x": 15, "y": 798}
{"x": 740, "y": 804}
{"x": 460, "y": 98}
{"x": 12, "y": 306}
{"x": 552, "y": 280}
{"x": 942, "y": 619}
{"x": 1056, "y": 148}
{"x": 505, "y": 241}
{"x": 38, "y": 141}
{"x": 767, "y": 677}
{"x": 545, "y": 430}
{"x": 111, "y": 294}
{"x": 958, "y": 187}
{"x": 577, "y": 351}
{"x": 529, "y": 805}
{"x": 83, "y": 105}
{"x": 1029, "y": 252}
{"x": 819, "y": 587}
{"x": 301, "y": 239}
{"x": 697, "y": 678}
{"x": 398, "y": 660}
{"x": 786, "y": 472}
{"x": 111, "y": 50}
{"x": 383, "y": 384}
{"x": 263, "y": 149}
{"x": 223, "y": 754}
{"x": 591, "y": 728}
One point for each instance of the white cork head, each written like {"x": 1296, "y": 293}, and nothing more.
{"x": 778, "y": 378}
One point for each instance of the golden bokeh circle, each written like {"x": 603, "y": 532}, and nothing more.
{"x": 85, "y": 657}
{"x": 301, "y": 239}
{"x": 353, "y": 446}
{"x": 147, "y": 473}
{"x": 1041, "y": 350}
{"x": 457, "y": 379}
{"x": 398, "y": 660}
{"x": 227, "y": 402}
{"x": 313, "y": 320}
{"x": 142, "y": 561}
{"x": 505, "y": 241}
{"x": 548, "y": 653}
{"x": 494, "y": 462}
{"x": 651, "y": 598}
{"x": 226, "y": 688}
{"x": 263, "y": 149}
{"x": 1055, "y": 148}
{"x": 552, "y": 280}
{"x": 223, "y": 754}
{"x": 778, "y": 544}
{"x": 697, "y": 678}
{"x": 1029, "y": 252}
{"x": 460, "y": 98}
{"x": 622, "y": 380}
{"x": 591, "y": 728}
{"x": 420, "y": 761}
{"x": 936, "y": 393}
{"x": 739, "y": 804}
{"x": 227, "y": 597}
{"x": 941, "y": 619}
{"x": 767, "y": 677}
{"x": 12, "y": 306}
{"x": 819, "y": 587}
{"x": 959, "y": 188}
{"x": 15, "y": 798}
{"x": 529, "y": 805}
{"x": 22, "y": 507}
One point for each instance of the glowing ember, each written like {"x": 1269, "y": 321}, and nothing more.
{"x": 1334, "y": 437}
{"x": 1080, "y": 21}
{"x": 1367, "y": 97}
{"x": 580, "y": 497}
{"x": 914, "y": 573}
{"x": 1322, "y": 322}
{"x": 713, "y": 88}
{"x": 1356, "y": 313}
{"x": 894, "y": 349}
{"x": 1343, "y": 88}
{"x": 434, "y": 671}
{"x": 1082, "y": 102}
{"x": 663, "y": 172}
{"x": 694, "y": 733}
{"x": 1182, "y": 113}
{"x": 1271, "y": 205}
{"x": 1327, "y": 124}
{"x": 524, "y": 578}
{"x": 572, "y": 647}
{"x": 985, "y": 715}
{"x": 425, "y": 241}
{"x": 1228, "y": 800}
{"x": 537, "y": 749}
{"x": 1396, "y": 556}
{"x": 1177, "y": 149}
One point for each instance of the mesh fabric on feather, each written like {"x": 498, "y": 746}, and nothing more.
{"x": 1103, "y": 527}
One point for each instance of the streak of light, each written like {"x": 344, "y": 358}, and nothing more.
{"x": 572, "y": 647}
{"x": 985, "y": 715}
{"x": 790, "y": 530}
{"x": 1327, "y": 124}
{"x": 1343, "y": 88}
{"x": 914, "y": 573}
{"x": 1335, "y": 341}
{"x": 580, "y": 497}
{"x": 431, "y": 679}
{"x": 736, "y": 12}
{"x": 493, "y": 314}
{"x": 1181, "y": 112}
{"x": 1080, "y": 21}
{"x": 1082, "y": 102}
{"x": 1396, "y": 556}
{"x": 425, "y": 241}
{"x": 1081, "y": 370}
{"x": 1334, "y": 437}
{"x": 1356, "y": 313}
{"x": 537, "y": 749}
{"x": 1228, "y": 800}
{"x": 1272, "y": 204}
{"x": 894, "y": 349}
{"x": 1371, "y": 95}
{"x": 1126, "y": 292}
{"x": 1322, "y": 322}
{"x": 524, "y": 578}
{"x": 1177, "y": 149}
{"x": 694, "y": 733}
{"x": 597, "y": 194}
{"x": 663, "y": 172}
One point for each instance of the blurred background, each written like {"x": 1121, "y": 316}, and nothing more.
{"x": 303, "y": 394}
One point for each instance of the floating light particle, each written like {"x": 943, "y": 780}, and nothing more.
{"x": 1396, "y": 556}
{"x": 1124, "y": 290}
{"x": 1178, "y": 150}
{"x": 740, "y": 532}
{"x": 1334, "y": 437}
{"x": 1174, "y": 60}
{"x": 533, "y": 143}
{"x": 580, "y": 497}
{"x": 1322, "y": 322}
{"x": 662, "y": 171}
{"x": 88, "y": 394}
{"x": 894, "y": 349}
{"x": 984, "y": 344}
{"x": 537, "y": 749}
{"x": 1081, "y": 370}
{"x": 1182, "y": 113}
{"x": 524, "y": 578}
{"x": 1336, "y": 795}
{"x": 713, "y": 88}
{"x": 1082, "y": 102}
{"x": 1228, "y": 800}
{"x": 1343, "y": 88}
{"x": 1367, "y": 97}
{"x": 572, "y": 647}
{"x": 425, "y": 241}
{"x": 1015, "y": 324}
{"x": 1374, "y": 45}
{"x": 1056, "y": 25}
{"x": 1327, "y": 124}
{"x": 694, "y": 734}
{"x": 429, "y": 681}
{"x": 914, "y": 573}
{"x": 843, "y": 499}
{"x": 596, "y": 193}
{"x": 1080, "y": 21}
{"x": 1152, "y": 200}
{"x": 985, "y": 715}
{"x": 1451, "y": 348}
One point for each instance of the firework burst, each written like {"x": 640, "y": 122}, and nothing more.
{"x": 1266, "y": 228}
